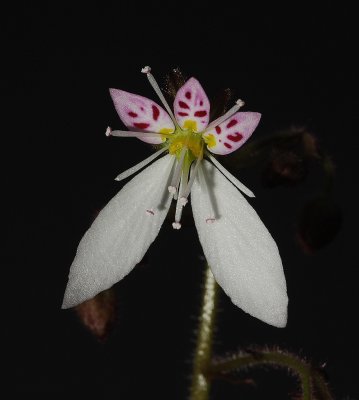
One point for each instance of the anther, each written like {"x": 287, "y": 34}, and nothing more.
{"x": 240, "y": 103}
{"x": 210, "y": 220}
{"x": 172, "y": 189}
{"x": 108, "y": 131}
{"x": 150, "y": 212}
{"x": 146, "y": 69}
{"x": 183, "y": 201}
{"x": 176, "y": 225}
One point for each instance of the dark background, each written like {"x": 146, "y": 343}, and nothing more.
{"x": 294, "y": 65}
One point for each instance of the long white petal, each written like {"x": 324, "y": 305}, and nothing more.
{"x": 231, "y": 178}
{"x": 121, "y": 234}
{"x": 239, "y": 249}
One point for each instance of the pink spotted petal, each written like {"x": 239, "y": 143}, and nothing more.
{"x": 191, "y": 106}
{"x": 141, "y": 114}
{"x": 231, "y": 134}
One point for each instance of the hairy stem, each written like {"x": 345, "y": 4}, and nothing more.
{"x": 200, "y": 383}
{"x": 274, "y": 357}
{"x": 321, "y": 388}
{"x": 311, "y": 380}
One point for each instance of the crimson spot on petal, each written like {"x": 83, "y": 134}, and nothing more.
{"x": 229, "y": 146}
{"x": 182, "y": 104}
{"x": 155, "y": 112}
{"x": 182, "y": 114}
{"x": 132, "y": 114}
{"x": 231, "y": 123}
{"x": 188, "y": 95}
{"x": 141, "y": 125}
{"x": 236, "y": 137}
{"x": 201, "y": 103}
{"x": 218, "y": 129}
{"x": 200, "y": 113}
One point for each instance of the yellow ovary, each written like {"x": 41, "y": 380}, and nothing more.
{"x": 191, "y": 140}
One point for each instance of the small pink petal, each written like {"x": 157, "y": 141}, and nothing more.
{"x": 141, "y": 114}
{"x": 192, "y": 104}
{"x": 231, "y": 134}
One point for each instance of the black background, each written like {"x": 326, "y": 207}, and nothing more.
{"x": 295, "y": 65}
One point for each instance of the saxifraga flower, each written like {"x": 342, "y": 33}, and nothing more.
{"x": 239, "y": 249}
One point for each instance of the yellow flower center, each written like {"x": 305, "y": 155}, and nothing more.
{"x": 186, "y": 138}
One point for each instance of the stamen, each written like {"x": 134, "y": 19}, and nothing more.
{"x": 162, "y": 195}
{"x": 177, "y": 174}
{"x": 230, "y": 177}
{"x": 140, "y": 165}
{"x": 179, "y": 205}
{"x": 228, "y": 114}
{"x": 139, "y": 135}
{"x": 147, "y": 70}
{"x": 204, "y": 188}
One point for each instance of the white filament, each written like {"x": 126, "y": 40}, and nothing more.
{"x": 210, "y": 215}
{"x": 147, "y": 70}
{"x": 230, "y": 177}
{"x": 228, "y": 114}
{"x": 179, "y": 205}
{"x": 139, "y": 166}
{"x": 139, "y": 135}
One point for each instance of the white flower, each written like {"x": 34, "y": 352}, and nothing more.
{"x": 239, "y": 249}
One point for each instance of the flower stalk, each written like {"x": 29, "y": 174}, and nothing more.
{"x": 200, "y": 386}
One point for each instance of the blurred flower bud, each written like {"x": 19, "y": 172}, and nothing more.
{"x": 174, "y": 81}
{"x": 284, "y": 168}
{"x": 98, "y": 314}
{"x": 220, "y": 103}
{"x": 310, "y": 145}
{"x": 318, "y": 224}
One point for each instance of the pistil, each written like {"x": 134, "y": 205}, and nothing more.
{"x": 177, "y": 174}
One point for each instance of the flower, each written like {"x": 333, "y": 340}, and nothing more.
{"x": 239, "y": 249}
